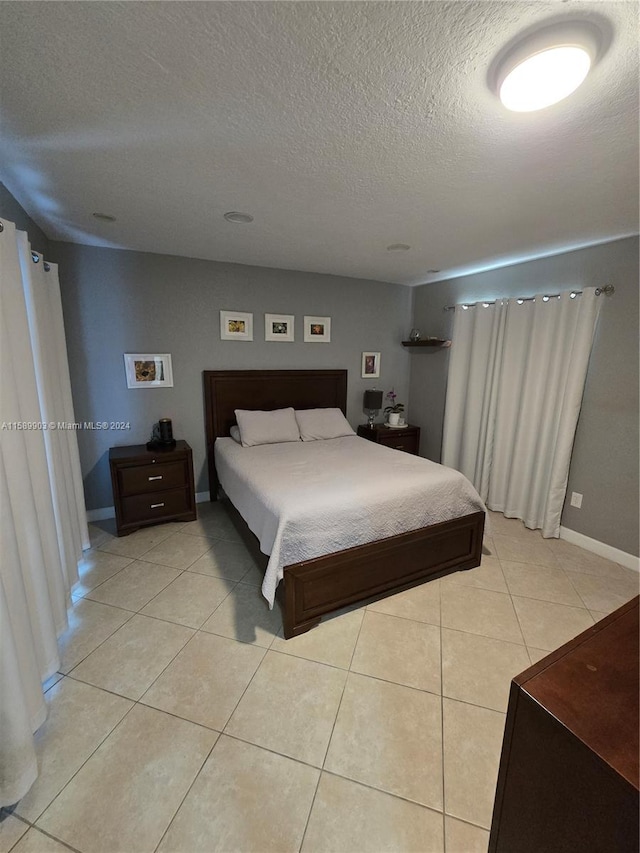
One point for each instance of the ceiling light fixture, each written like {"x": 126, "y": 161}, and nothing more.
{"x": 104, "y": 217}
{"x": 235, "y": 216}
{"x": 398, "y": 247}
{"x": 546, "y": 66}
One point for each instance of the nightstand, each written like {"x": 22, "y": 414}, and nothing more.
{"x": 407, "y": 439}
{"x": 151, "y": 486}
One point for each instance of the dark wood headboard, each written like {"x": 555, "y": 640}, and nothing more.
{"x": 228, "y": 390}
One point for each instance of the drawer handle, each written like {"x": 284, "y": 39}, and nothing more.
{"x": 399, "y": 447}
{"x": 155, "y": 506}
{"x": 159, "y": 477}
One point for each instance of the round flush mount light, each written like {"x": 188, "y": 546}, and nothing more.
{"x": 546, "y": 66}
{"x": 104, "y": 217}
{"x": 235, "y": 216}
{"x": 398, "y": 247}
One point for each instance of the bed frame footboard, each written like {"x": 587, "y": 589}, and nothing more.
{"x": 315, "y": 587}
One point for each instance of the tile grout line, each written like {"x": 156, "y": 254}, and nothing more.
{"x": 98, "y": 585}
{"x": 313, "y": 802}
{"x": 146, "y": 616}
{"x": 135, "y": 702}
{"x": 48, "y": 835}
{"x": 180, "y": 572}
{"x": 164, "y": 589}
{"x": 132, "y": 612}
{"x": 93, "y": 752}
{"x": 235, "y": 708}
{"x": 187, "y": 792}
{"x": 389, "y": 793}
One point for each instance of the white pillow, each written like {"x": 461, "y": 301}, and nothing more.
{"x": 267, "y": 427}
{"x": 234, "y": 432}
{"x": 322, "y": 423}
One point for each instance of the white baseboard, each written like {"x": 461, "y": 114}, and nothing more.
{"x": 629, "y": 561}
{"x": 110, "y": 512}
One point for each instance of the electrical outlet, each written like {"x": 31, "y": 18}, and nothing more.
{"x": 576, "y": 500}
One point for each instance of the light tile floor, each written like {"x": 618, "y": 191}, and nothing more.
{"x": 182, "y": 721}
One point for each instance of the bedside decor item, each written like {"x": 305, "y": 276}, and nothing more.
{"x": 393, "y": 411}
{"x": 150, "y": 487}
{"x": 279, "y": 327}
{"x": 414, "y": 335}
{"x": 370, "y": 365}
{"x": 162, "y": 436}
{"x": 144, "y": 370}
{"x": 317, "y": 330}
{"x": 236, "y": 326}
{"x": 372, "y": 404}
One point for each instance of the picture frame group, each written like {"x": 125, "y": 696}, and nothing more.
{"x": 148, "y": 370}
{"x": 279, "y": 327}
{"x": 238, "y": 326}
{"x": 370, "y": 365}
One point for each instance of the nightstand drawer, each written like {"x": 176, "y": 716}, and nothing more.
{"x": 155, "y": 505}
{"x": 407, "y": 439}
{"x": 151, "y": 486}
{"x": 400, "y": 442}
{"x": 151, "y": 478}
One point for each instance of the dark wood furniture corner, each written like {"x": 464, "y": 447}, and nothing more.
{"x": 150, "y": 487}
{"x": 568, "y": 778}
{"x": 407, "y": 439}
{"x": 322, "y": 585}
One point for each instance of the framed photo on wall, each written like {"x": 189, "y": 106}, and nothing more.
{"x": 236, "y": 326}
{"x": 148, "y": 370}
{"x": 279, "y": 327}
{"x": 370, "y": 365}
{"x": 317, "y": 330}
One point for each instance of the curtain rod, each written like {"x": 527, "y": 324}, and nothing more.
{"x": 607, "y": 289}
{"x": 35, "y": 257}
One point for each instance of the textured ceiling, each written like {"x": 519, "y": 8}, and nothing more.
{"x": 341, "y": 127}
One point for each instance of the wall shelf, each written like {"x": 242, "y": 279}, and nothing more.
{"x": 430, "y": 342}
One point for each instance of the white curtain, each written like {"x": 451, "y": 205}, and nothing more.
{"x": 43, "y": 520}
{"x": 516, "y": 378}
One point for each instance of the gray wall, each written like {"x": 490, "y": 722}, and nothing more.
{"x": 11, "y": 210}
{"x": 604, "y": 465}
{"x": 119, "y": 301}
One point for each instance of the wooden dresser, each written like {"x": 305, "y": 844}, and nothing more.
{"x": 407, "y": 439}
{"x": 568, "y": 779}
{"x": 151, "y": 486}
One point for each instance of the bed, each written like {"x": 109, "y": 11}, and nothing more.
{"x": 319, "y": 584}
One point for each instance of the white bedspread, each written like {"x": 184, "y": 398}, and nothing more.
{"x": 306, "y": 499}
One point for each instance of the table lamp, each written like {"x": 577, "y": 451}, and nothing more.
{"x": 372, "y": 404}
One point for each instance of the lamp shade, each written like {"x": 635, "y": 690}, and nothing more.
{"x": 372, "y": 400}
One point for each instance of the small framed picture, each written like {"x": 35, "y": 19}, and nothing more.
{"x": 279, "y": 327}
{"x": 148, "y": 370}
{"x": 236, "y": 326}
{"x": 317, "y": 330}
{"x": 370, "y": 365}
